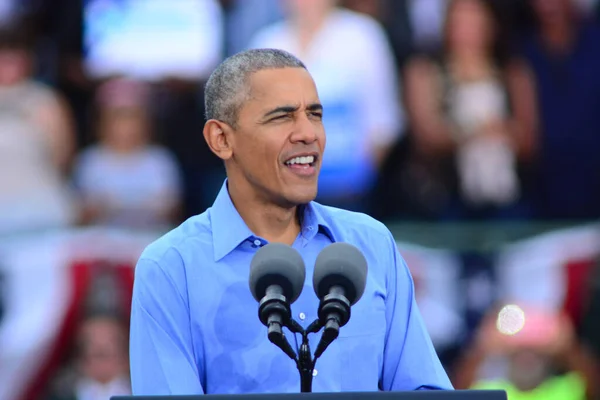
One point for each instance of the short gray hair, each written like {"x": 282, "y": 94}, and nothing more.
{"x": 227, "y": 87}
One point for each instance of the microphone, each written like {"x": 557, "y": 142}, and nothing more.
{"x": 339, "y": 282}
{"x": 277, "y": 275}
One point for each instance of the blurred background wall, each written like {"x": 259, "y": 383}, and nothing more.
{"x": 470, "y": 127}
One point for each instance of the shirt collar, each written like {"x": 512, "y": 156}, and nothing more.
{"x": 229, "y": 229}
{"x": 315, "y": 221}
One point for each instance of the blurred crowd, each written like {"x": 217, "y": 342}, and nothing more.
{"x": 435, "y": 110}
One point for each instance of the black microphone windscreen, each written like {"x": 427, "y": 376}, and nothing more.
{"x": 277, "y": 264}
{"x": 340, "y": 264}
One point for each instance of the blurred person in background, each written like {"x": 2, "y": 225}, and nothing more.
{"x": 473, "y": 119}
{"x": 174, "y": 45}
{"x": 543, "y": 360}
{"x": 353, "y": 66}
{"x": 564, "y": 54}
{"x": 126, "y": 180}
{"x": 36, "y": 144}
{"x": 100, "y": 369}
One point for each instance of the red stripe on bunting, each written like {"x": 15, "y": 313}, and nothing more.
{"x": 125, "y": 273}
{"x": 80, "y": 281}
{"x": 578, "y": 273}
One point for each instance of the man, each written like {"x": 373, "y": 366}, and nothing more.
{"x": 194, "y": 326}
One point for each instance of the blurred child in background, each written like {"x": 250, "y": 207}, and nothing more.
{"x": 125, "y": 180}
{"x": 101, "y": 367}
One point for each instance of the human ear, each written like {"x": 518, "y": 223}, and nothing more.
{"x": 216, "y": 134}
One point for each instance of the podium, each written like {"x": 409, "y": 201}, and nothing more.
{"x": 413, "y": 395}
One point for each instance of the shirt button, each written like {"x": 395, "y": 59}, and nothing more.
{"x": 315, "y": 372}
{"x": 257, "y": 243}
{"x": 302, "y": 316}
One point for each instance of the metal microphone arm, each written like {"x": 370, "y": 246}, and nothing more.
{"x": 275, "y": 313}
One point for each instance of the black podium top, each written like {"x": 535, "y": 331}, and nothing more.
{"x": 415, "y": 395}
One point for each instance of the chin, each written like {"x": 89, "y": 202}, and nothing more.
{"x": 297, "y": 197}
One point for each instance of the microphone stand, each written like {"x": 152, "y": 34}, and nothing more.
{"x": 275, "y": 313}
{"x": 305, "y": 362}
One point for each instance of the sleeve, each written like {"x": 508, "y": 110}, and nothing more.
{"x": 410, "y": 360}
{"x": 384, "y": 112}
{"x": 84, "y": 170}
{"x": 162, "y": 357}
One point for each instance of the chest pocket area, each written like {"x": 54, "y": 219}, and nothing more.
{"x": 361, "y": 343}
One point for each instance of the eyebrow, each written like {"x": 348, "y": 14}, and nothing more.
{"x": 292, "y": 109}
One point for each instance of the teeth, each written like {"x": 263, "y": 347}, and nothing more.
{"x": 301, "y": 160}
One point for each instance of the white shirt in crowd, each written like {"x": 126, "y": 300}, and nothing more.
{"x": 87, "y": 389}
{"x": 33, "y": 193}
{"x": 132, "y": 186}
{"x": 352, "y": 64}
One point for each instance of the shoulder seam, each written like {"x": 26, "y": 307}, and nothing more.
{"x": 165, "y": 272}
{"x": 173, "y": 246}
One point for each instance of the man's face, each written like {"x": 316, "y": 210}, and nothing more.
{"x": 279, "y": 141}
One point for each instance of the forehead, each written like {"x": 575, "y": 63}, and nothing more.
{"x": 273, "y": 87}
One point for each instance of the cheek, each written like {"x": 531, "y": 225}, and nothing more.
{"x": 322, "y": 139}
{"x": 257, "y": 157}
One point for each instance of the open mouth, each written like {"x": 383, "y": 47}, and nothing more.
{"x": 301, "y": 161}
{"x": 302, "y": 165}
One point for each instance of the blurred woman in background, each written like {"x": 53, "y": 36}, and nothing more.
{"x": 473, "y": 117}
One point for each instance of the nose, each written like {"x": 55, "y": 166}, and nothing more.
{"x": 306, "y": 130}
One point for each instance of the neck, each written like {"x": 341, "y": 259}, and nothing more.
{"x": 266, "y": 219}
{"x": 468, "y": 64}
{"x": 124, "y": 150}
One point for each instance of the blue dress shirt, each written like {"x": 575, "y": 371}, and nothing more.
{"x": 195, "y": 326}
